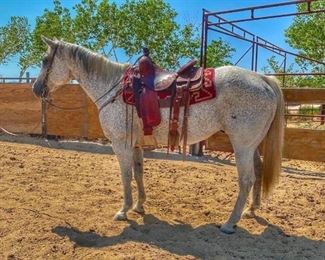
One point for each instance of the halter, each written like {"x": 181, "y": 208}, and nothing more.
{"x": 46, "y": 87}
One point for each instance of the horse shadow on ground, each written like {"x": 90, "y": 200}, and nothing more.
{"x": 106, "y": 148}
{"x": 205, "y": 241}
{"x": 298, "y": 173}
{"x": 92, "y": 147}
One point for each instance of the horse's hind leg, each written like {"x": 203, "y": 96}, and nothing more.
{"x": 245, "y": 167}
{"x": 138, "y": 176}
{"x": 256, "y": 198}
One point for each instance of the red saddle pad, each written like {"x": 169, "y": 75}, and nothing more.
{"x": 207, "y": 92}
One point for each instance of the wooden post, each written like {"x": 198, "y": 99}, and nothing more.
{"x": 27, "y": 77}
{"x": 322, "y": 112}
{"x": 44, "y": 118}
{"x": 85, "y": 127}
{"x": 197, "y": 149}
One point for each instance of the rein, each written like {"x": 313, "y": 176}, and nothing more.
{"x": 111, "y": 100}
{"x": 62, "y": 108}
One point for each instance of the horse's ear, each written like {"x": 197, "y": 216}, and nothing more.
{"x": 49, "y": 42}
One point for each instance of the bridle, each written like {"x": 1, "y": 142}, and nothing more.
{"x": 45, "y": 91}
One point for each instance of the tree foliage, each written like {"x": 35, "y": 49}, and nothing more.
{"x": 113, "y": 29}
{"x": 96, "y": 25}
{"x": 13, "y": 37}
{"x": 219, "y": 53}
{"x": 307, "y": 34}
{"x": 274, "y": 66}
{"x": 56, "y": 23}
{"x": 293, "y": 81}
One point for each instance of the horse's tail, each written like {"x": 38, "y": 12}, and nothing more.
{"x": 273, "y": 142}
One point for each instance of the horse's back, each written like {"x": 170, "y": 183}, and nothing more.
{"x": 241, "y": 81}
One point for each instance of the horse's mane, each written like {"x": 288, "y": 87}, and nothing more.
{"x": 93, "y": 63}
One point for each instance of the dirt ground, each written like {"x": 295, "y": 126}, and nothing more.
{"x": 59, "y": 204}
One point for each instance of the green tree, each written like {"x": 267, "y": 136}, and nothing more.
{"x": 219, "y": 53}
{"x": 307, "y": 34}
{"x": 151, "y": 23}
{"x": 106, "y": 27}
{"x": 274, "y": 66}
{"x": 98, "y": 26}
{"x": 56, "y": 23}
{"x": 13, "y": 37}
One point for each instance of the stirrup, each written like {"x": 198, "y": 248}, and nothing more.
{"x": 149, "y": 142}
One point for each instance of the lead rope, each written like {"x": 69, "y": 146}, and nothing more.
{"x": 4, "y": 130}
{"x": 63, "y": 108}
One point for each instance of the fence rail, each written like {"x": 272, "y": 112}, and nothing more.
{"x": 21, "y": 112}
{"x": 14, "y": 80}
{"x": 304, "y": 95}
{"x": 300, "y": 144}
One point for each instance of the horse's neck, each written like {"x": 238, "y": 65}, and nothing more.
{"x": 95, "y": 84}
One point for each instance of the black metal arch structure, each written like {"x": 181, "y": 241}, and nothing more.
{"x": 215, "y": 22}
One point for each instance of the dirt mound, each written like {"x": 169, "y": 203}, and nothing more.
{"x": 59, "y": 204}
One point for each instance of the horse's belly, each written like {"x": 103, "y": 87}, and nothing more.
{"x": 203, "y": 121}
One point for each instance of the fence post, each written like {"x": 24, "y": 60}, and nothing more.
{"x": 44, "y": 118}
{"x": 27, "y": 77}
{"x": 85, "y": 127}
{"x": 322, "y": 112}
{"x": 197, "y": 149}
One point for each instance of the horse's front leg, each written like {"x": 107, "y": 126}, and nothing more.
{"x": 138, "y": 176}
{"x": 124, "y": 155}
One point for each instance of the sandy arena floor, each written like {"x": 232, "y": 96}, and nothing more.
{"x": 59, "y": 204}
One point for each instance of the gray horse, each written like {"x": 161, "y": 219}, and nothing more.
{"x": 249, "y": 108}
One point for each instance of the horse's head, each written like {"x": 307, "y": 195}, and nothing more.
{"x": 54, "y": 72}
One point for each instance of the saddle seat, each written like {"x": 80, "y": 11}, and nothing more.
{"x": 187, "y": 74}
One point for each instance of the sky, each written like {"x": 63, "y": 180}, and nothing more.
{"x": 188, "y": 11}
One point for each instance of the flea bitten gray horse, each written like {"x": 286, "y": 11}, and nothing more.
{"x": 249, "y": 108}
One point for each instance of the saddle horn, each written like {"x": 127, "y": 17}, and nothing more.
{"x": 145, "y": 51}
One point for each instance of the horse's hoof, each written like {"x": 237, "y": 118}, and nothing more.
{"x": 120, "y": 216}
{"x": 139, "y": 210}
{"x": 227, "y": 229}
{"x": 249, "y": 213}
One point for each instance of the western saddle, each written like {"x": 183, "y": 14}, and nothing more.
{"x": 154, "y": 79}
{"x": 187, "y": 74}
